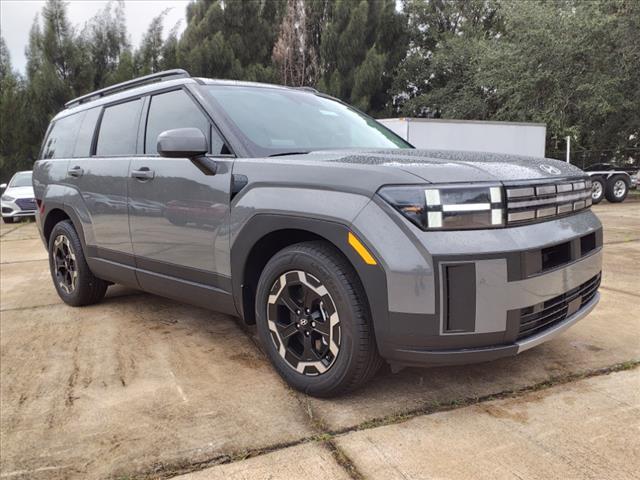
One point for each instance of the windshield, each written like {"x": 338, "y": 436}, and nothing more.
{"x": 275, "y": 121}
{"x": 22, "y": 179}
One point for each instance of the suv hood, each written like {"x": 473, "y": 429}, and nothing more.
{"x": 19, "y": 192}
{"x": 445, "y": 166}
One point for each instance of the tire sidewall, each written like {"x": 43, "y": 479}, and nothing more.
{"x": 301, "y": 260}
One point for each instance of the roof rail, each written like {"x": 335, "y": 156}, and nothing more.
{"x": 307, "y": 89}
{"x": 136, "y": 82}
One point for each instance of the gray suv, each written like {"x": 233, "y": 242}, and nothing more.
{"x": 296, "y": 212}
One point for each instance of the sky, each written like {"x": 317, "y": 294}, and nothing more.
{"x": 16, "y": 18}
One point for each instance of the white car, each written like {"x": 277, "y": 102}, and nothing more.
{"x": 17, "y": 198}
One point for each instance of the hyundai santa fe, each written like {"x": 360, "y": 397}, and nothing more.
{"x": 343, "y": 244}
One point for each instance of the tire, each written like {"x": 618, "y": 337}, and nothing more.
{"x": 180, "y": 222}
{"x": 597, "y": 190}
{"x": 617, "y": 189}
{"x": 75, "y": 283}
{"x": 8, "y": 219}
{"x": 348, "y": 353}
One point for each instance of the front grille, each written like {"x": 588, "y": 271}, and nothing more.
{"x": 26, "y": 203}
{"x": 539, "y": 317}
{"x": 533, "y": 202}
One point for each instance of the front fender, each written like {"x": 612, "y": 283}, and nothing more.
{"x": 336, "y": 232}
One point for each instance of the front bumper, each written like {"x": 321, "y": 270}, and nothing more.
{"x": 13, "y": 210}
{"x": 470, "y": 296}
{"x": 458, "y": 356}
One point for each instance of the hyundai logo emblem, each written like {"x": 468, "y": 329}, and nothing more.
{"x": 550, "y": 169}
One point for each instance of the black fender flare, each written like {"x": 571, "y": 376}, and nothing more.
{"x": 373, "y": 277}
{"x": 73, "y": 216}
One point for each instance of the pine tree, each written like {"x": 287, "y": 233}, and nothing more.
{"x": 106, "y": 41}
{"x": 148, "y": 57}
{"x": 231, "y": 39}
{"x": 360, "y": 48}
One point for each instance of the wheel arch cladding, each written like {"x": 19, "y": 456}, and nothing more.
{"x": 54, "y": 216}
{"x": 56, "y": 213}
{"x": 265, "y": 234}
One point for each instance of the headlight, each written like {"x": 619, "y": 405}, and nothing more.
{"x": 448, "y": 207}
{"x": 7, "y": 198}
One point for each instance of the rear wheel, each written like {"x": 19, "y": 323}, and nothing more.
{"x": 313, "y": 320}
{"x": 75, "y": 283}
{"x": 617, "y": 189}
{"x": 597, "y": 190}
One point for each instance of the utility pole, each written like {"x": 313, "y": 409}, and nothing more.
{"x": 568, "y": 149}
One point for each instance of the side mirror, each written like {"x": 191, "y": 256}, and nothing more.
{"x": 3, "y": 186}
{"x": 182, "y": 143}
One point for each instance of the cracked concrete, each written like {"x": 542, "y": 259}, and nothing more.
{"x": 140, "y": 386}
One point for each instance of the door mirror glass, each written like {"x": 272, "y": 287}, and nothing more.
{"x": 182, "y": 142}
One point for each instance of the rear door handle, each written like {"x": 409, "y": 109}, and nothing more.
{"x": 75, "y": 171}
{"x": 143, "y": 174}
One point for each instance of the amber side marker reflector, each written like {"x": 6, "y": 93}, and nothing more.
{"x": 362, "y": 251}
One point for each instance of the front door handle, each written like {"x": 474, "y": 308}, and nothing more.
{"x": 143, "y": 174}
{"x": 76, "y": 171}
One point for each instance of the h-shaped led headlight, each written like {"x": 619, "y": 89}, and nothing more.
{"x": 448, "y": 207}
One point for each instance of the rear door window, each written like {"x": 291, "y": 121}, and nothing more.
{"x": 61, "y": 140}
{"x": 175, "y": 110}
{"x": 119, "y": 129}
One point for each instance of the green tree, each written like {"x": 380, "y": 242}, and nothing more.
{"x": 572, "y": 65}
{"x": 361, "y": 46}
{"x": 231, "y": 39}
{"x": 106, "y": 40}
{"x": 149, "y": 57}
{"x": 11, "y": 115}
{"x": 447, "y": 40}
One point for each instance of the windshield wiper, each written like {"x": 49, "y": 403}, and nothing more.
{"x": 281, "y": 154}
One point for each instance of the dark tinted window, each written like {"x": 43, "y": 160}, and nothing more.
{"x": 85, "y": 133}
{"x": 119, "y": 129}
{"x": 175, "y": 110}
{"x": 62, "y": 138}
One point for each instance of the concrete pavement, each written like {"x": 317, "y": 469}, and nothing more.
{"x": 143, "y": 387}
{"x": 585, "y": 429}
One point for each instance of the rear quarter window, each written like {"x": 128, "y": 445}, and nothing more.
{"x": 61, "y": 140}
{"x": 85, "y": 133}
{"x": 119, "y": 129}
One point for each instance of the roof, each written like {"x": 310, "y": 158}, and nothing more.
{"x": 149, "y": 83}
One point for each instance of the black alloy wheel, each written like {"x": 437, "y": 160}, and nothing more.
{"x": 303, "y": 322}
{"x": 65, "y": 266}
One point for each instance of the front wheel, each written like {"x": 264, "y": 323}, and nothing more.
{"x": 8, "y": 219}
{"x": 617, "y": 189}
{"x": 75, "y": 283}
{"x": 313, "y": 320}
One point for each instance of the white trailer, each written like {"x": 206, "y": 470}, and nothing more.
{"x": 471, "y": 135}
